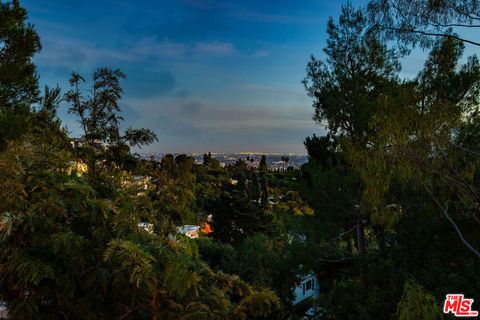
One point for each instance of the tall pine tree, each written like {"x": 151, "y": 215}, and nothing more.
{"x": 19, "y": 42}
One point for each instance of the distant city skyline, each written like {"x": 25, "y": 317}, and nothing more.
{"x": 275, "y": 161}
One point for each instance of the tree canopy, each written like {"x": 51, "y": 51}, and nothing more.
{"x": 347, "y": 85}
{"x": 422, "y": 22}
{"x": 19, "y": 42}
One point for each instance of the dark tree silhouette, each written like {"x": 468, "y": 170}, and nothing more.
{"x": 357, "y": 71}
{"x": 422, "y": 22}
{"x": 99, "y": 117}
{"x": 19, "y": 42}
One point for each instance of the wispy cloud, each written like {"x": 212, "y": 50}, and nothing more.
{"x": 250, "y": 15}
{"x": 222, "y": 117}
{"x": 227, "y": 128}
{"x": 62, "y": 51}
{"x": 243, "y": 12}
{"x": 260, "y": 54}
{"x": 214, "y": 48}
{"x": 166, "y": 48}
{"x": 189, "y": 108}
{"x": 271, "y": 89}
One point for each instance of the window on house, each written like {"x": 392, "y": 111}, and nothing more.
{"x": 309, "y": 285}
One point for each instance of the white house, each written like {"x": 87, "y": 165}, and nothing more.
{"x": 190, "y": 231}
{"x": 308, "y": 287}
{"x": 146, "y": 226}
{"x": 3, "y": 311}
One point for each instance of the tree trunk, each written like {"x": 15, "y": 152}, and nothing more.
{"x": 154, "y": 303}
{"x": 360, "y": 237}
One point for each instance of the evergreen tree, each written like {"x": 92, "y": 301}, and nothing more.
{"x": 349, "y": 86}
{"x": 237, "y": 217}
{"x": 255, "y": 186}
{"x": 68, "y": 253}
{"x": 424, "y": 146}
{"x": 357, "y": 72}
{"x": 104, "y": 144}
{"x": 263, "y": 189}
{"x": 45, "y": 123}
{"x": 206, "y": 159}
{"x": 263, "y": 166}
{"x": 19, "y": 42}
{"x": 423, "y": 22}
{"x": 322, "y": 150}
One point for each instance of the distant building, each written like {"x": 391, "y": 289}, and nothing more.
{"x": 306, "y": 289}
{"x": 146, "y": 226}
{"x": 3, "y": 311}
{"x": 207, "y": 227}
{"x": 296, "y": 237}
{"x": 79, "y": 142}
{"x": 189, "y": 230}
{"x": 194, "y": 231}
{"x": 76, "y": 143}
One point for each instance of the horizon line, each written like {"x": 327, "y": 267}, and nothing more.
{"x": 226, "y": 152}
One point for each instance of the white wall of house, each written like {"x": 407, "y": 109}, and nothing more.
{"x": 308, "y": 287}
{"x": 3, "y": 311}
{"x": 189, "y": 230}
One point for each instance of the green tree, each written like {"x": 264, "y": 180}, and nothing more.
{"x": 99, "y": 116}
{"x": 415, "y": 176}
{"x": 416, "y": 303}
{"x": 423, "y": 22}
{"x": 237, "y": 217}
{"x": 214, "y": 164}
{"x": 357, "y": 72}
{"x": 207, "y": 159}
{"x": 19, "y": 42}
{"x": 322, "y": 149}
{"x": 263, "y": 166}
{"x": 255, "y": 187}
{"x": 70, "y": 254}
{"x": 348, "y": 86}
{"x": 423, "y": 146}
{"x": 267, "y": 262}
{"x": 45, "y": 123}
{"x": 168, "y": 165}
{"x": 263, "y": 189}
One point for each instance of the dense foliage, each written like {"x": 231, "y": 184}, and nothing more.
{"x": 403, "y": 201}
{"x": 385, "y": 212}
{"x": 18, "y": 79}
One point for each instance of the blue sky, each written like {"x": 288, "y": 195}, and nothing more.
{"x": 211, "y": 75}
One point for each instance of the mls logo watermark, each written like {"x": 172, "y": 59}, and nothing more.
{"x": 459, "y": 306}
